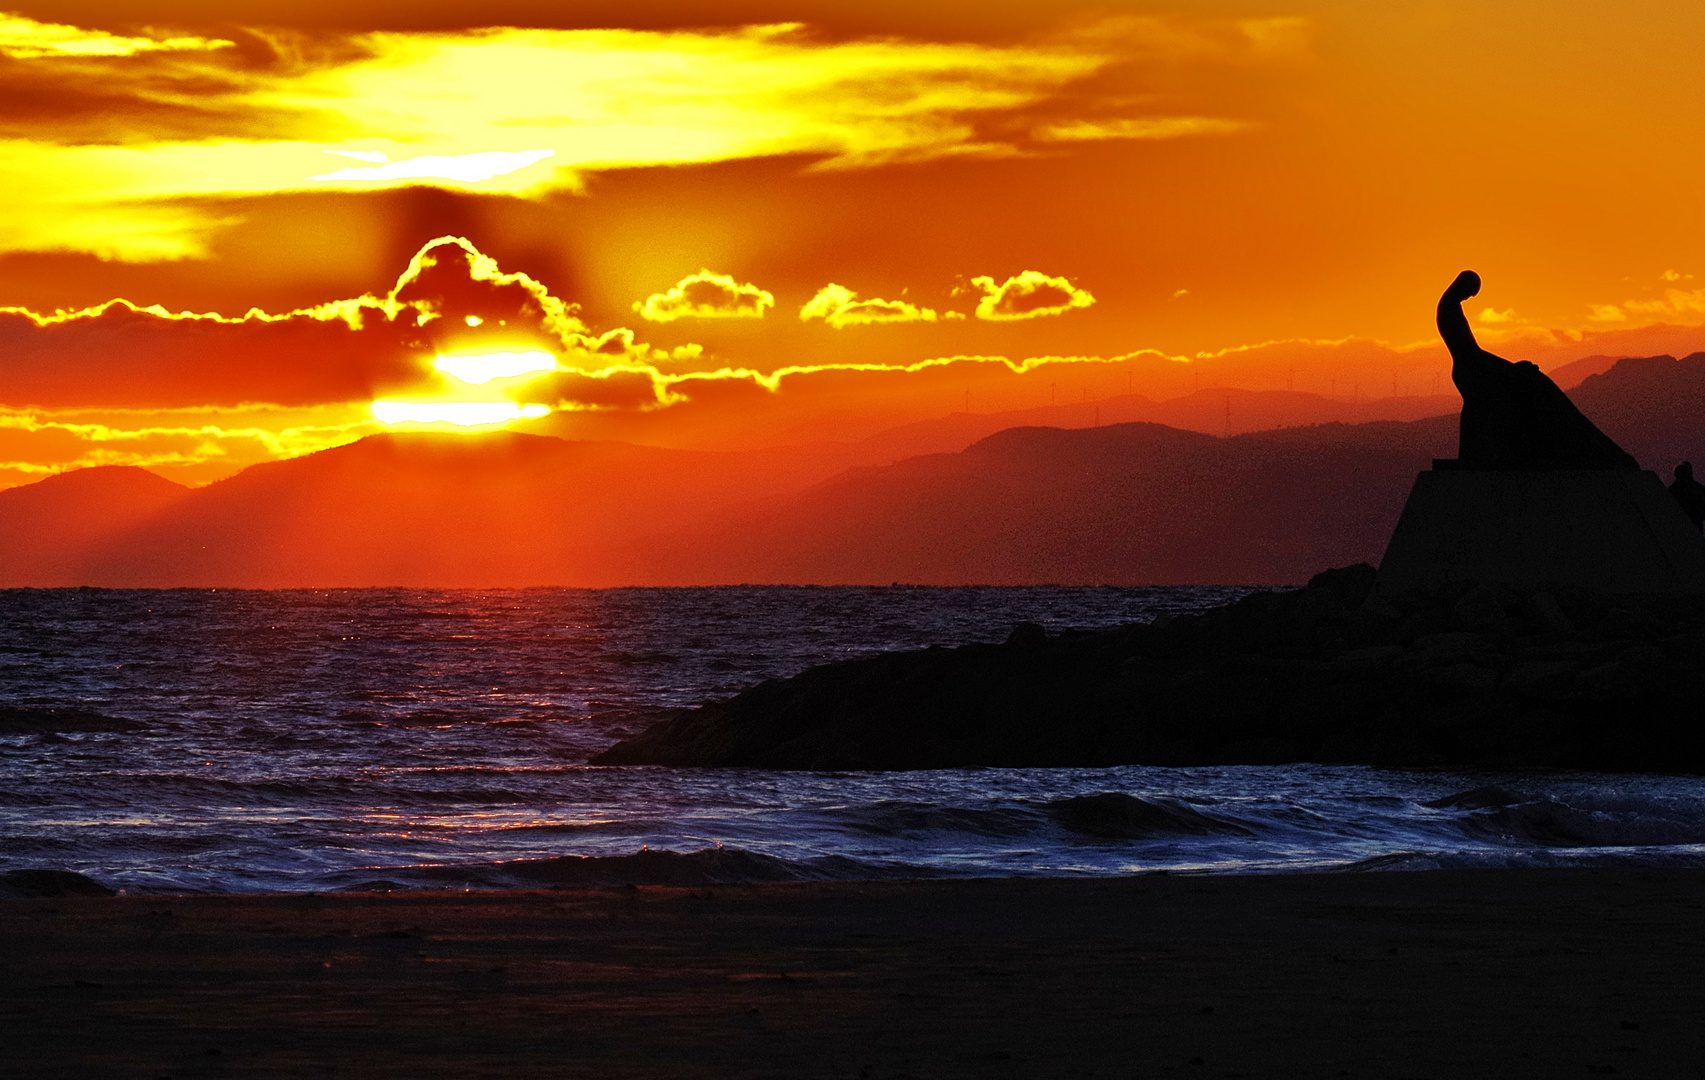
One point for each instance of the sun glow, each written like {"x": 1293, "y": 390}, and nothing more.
{"x": 468, "y": 168}
{"x": 459, "y": 413}
{"x": 481, "y": 368}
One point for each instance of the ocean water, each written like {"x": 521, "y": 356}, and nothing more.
{"x": 311, "y": 741}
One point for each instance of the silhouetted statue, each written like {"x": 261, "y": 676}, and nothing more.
{"x": 1513, "y": 415}
{"x": 1690, "y": 493}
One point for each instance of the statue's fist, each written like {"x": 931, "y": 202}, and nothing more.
{"x": 1466, "y": 284}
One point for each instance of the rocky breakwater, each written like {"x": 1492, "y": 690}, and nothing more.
{"x": 1456, "y": 675}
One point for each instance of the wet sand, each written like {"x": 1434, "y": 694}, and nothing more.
{"x": 1431, "y": 974}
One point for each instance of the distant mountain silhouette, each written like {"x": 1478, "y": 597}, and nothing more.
{"x": 1140, "y": 503}
{"x": 1575, "y": 372}
{"x": 1217, "y": 411}
{"x": 1121, "y": 503}
{"x": 1654, "y": 406}
{"x": 1128, "y": 503}
{"x": 419, "y": 509}
{"x": 46, "y": 527}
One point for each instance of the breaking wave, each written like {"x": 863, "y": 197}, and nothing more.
{"x": 1113, "y": 815}
{"x": 1586, "y": 820}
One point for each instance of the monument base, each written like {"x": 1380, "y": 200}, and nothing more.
{"x": 1607, "y": 530}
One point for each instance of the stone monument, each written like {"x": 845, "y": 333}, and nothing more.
{"x": 1537, "y": 495}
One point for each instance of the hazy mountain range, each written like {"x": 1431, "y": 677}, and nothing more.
{"x": 1004, "y": 498}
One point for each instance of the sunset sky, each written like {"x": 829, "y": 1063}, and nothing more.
{"x": 235, "y": 232}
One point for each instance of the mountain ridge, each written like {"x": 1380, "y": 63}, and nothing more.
{"x": 1129, "y": 503}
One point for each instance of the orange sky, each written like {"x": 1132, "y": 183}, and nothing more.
{"x": 785, "y": 226}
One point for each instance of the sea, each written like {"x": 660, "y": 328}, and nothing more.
{"x": 312, "y": 741}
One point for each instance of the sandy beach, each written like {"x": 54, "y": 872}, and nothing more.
{"x": 1496, "y": 973}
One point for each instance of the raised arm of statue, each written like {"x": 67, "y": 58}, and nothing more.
{"x": 1453, "y": 324}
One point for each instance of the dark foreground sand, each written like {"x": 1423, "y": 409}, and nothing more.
{"x": 1435, "y": 974}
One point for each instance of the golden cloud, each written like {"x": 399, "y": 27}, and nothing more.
{"x": 1676, "y": 303}
{"x": 26, "y": 39}
{"x": 450, "y": 299}
{"x": 1139, "y": 127}
{"x": 199, "y": 445}
{"x": 108, "y": 158}
{"x": 706, "y": 295}
{"x": 840, "y": 307}
{"x": 1028, "y": 295}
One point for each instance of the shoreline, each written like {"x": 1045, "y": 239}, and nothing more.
{"x": 74, "y": 885}
{"x": 1461, "y": 973}
{"x": 1086, "y": 827}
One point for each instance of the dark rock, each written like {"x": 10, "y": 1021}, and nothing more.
{"x": 1547, "y": 615}
{"x": 1366, "y": 659}
{"x": 38, "y": 883}
{"x": 1378, "y": 742}
{"x": 1462, "y": 679}
{"x": 1263, "y": 751}
{"x": 1349, "y": 585}
{"x": 1027, "y": 635}
{"x": 1484, "y": 610}
{"x": 1441, "y": 650}
{"x": 1538, "y": 678}
{"x": 1450, "y": 675}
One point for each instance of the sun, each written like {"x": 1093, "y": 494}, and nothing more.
{"x": 473, "y": 369}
